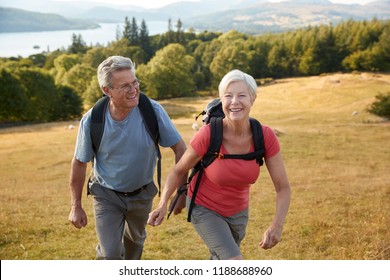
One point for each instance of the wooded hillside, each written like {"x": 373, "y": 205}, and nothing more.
{"x": 179, "y": 64}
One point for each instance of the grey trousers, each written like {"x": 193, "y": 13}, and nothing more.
{"x": 120, "y": 222}
{"x": 222, "y": 235}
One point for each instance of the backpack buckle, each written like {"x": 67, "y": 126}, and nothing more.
{"x": 219, "y": 155}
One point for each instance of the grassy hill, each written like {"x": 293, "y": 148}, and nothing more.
{"x": 336, "y": 154}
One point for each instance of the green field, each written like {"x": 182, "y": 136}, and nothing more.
{"x": 337, "y": 157}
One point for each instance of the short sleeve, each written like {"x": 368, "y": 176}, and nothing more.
{"x": 83, "y": 150}
{"x": 169, "y": 136}
{"x": 271, "y": 142}
{"x": 201, "y": 140}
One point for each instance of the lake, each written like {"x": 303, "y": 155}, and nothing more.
{"x": 22, "y": 43}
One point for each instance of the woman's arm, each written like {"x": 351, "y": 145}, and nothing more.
{"x": 174, "y": 180}
{"x": 179, "y": 149}
{"x": 279, "y": 178}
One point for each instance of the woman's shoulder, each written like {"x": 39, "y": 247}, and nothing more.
{"x": 267, "y": 130}
{"x": 203, "y": 134}
{"x": 271, "y": 141}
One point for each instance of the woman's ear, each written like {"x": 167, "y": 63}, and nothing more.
{"x": 253, "y": 100}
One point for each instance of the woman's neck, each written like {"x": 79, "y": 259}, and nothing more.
{"x": 238, "y": 128}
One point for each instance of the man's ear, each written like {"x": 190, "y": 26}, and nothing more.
{"x": 106, "y": 91}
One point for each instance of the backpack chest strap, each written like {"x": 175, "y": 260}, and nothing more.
{"x": 249, "y": 156}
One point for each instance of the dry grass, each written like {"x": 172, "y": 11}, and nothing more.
{"x": 338, "y": 165}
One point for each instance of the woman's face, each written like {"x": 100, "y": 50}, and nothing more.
{"x": 236, "y": 101}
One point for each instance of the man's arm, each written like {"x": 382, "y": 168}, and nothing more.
{"x": 179, "y": 150}
{"x": 77, "y": 215}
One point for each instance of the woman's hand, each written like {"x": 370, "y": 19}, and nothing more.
{"x": 271, "y": 237}
{"x": 156, "y": 217}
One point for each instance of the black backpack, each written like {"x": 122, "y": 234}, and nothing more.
{"x": 213, "y": 114}
{"x": 148, "y": 114}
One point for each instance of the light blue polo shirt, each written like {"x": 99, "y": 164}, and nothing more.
{"x": 127, "y": 156}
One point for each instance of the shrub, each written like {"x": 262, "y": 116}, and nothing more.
{"x": 381, "y": 107}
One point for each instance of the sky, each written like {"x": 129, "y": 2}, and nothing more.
{"x": 161, "y": 3}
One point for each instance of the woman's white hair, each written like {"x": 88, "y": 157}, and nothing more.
{"x": 238, "y": 76}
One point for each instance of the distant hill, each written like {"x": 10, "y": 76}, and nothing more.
{"x": 289, "y": 15}
{"x": 17, "y": 20}
{"x": 247, "y": 16}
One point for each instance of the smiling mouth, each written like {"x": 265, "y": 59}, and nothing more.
{"x": 133, "y": 96}
{"x": 234, "y": 110}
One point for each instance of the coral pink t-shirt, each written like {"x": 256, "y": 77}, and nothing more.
{"x": 225, "y": 183}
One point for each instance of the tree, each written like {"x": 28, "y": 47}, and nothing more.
{"x": 308, "y": 64}
{"x": 168, "y": 73}
{"x": 384, "y": 46}
{"x": 134, "y": 36}
{"x": 94, "y": 56}
{"x": 63, "y": 64}
{"x": 278, "y": 63}
{"x": 167, "y": 38}
{"x": 207, "y": 36}
{"x": 179, "y": 32}
{"x": 343, "y": 38}
{"x": 78, "y": 78}
{"x": 127, "y": 29}
{"x": 326, "y": 52}
{"x": 209, "y": 51}
{"x": 41, "y": 93}
{"x": 170, "y": 33}
{"x": 92, "y": 93}
{"x": 49, "y": 63}
{"x": 258, "y": 56}
{"x": 78, "y": 45}
{"x": 118, "y": 33}
{"x": 38, "y": 60}
{"x": 202, "y": 75}
{"x": 227, "y": 59}
{"x": 13, "y": 98}
{"x": 145, "y": 40}
{"x": 121, "y": 47}
{"x": 371, "y": 59}
{"x": 69, "y": 106}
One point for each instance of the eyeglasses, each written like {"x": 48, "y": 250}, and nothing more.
{"x": 127, "y": 88}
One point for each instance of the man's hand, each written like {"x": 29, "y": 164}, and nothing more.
{"x": 78, "y": 217}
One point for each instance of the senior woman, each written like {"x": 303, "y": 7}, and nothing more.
{"x": 220, "y": 215}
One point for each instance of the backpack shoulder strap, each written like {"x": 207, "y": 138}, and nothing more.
{"x": 149, "y": 116}
{"x": 214, "y": 146}
{"x": 216, "y": 130}
{"x": 216, "y": 134}
{"x": 258, "y": 139}
{"x": 97, "y": 122}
